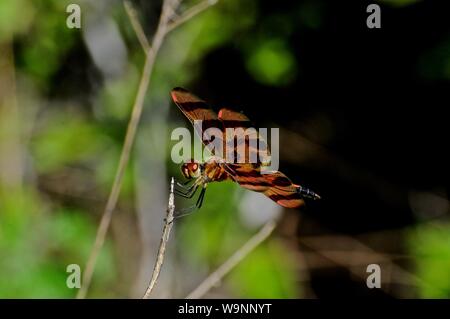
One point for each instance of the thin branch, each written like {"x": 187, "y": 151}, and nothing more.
{"x": 214, "y": 278}
{"x": 190, "y": 13}
{"x": 162, "y": 246}
{"x": 137, "y": 27}
{"x": 125, "y": 155}
{"x": 168, "y": 8}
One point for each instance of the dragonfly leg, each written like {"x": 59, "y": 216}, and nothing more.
{"x": 192, "y": 209}
{"x": 189, "y": 194}
{"x": 183, "y": 185}
{"x": 186, "y": 191}
{"x": 200, "y": 198}
{"x": 185, "y": 211}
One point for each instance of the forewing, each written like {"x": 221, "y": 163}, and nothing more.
{"x": 232, "y": 118}
{"x": 244, "y": 139}
{"x": 195, "y": 109}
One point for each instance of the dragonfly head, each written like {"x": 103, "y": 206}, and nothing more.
{"x": 190, "y": 169}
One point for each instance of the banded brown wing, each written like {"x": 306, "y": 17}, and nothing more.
{"x": 195, "y": 109}
{"x": 232, "y": 118}
{"x": 245, "y": 143}
{"x": 277, "y": 186}
{"x": 285, "y": 196}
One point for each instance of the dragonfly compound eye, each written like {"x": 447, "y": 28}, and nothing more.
{"x": 185, "y": 171}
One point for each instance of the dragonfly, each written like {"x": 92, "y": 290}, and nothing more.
{"x": 274, "y": 184}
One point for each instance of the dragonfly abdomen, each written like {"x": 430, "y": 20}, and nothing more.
{"x": 307, "y": 193}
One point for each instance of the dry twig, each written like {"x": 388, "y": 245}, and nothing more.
{"x": 162, "y": 246}
{"x": 190, "y": 13}
{"x": 137, "y": 27}
{"x": 169, "y": 6}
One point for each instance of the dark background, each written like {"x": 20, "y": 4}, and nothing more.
{"x": 389, "y": 119}
{"x": 387, "y": 101}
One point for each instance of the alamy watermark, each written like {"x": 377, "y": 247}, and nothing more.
{"x": 374, "y": 19}
{"x": 374, "y": 279}
{"x": 74, "y": 19}
{"x": 234, "y": 145}
{"x": 74, "y": 279}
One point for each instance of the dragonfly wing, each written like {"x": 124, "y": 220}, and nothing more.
{"x": 247, "y": 176}
{"x": 283, "y": 191}
{"x": 245, "y": 138}
{"x": 285, "y": 198}
{"x": 277, "y": 186}
{"x": 192, "y": 106}
{"x": 195, "y": 109}
{"x": 232, "y": 118}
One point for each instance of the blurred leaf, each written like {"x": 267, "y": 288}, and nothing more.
{"x": 271, "y": 62}
{"x": 50, "y": 40}
{"x": 36, "y": 246}
{"x": 223, "y": 20}
{"x": 118, "y": 95}
{"x": 430, "y": 245}
{"x": 15, "y": 17}
{"x": 70, "y": 236}
{"x": 67, "y": 140}
{"x": 214, "y": 233}
{"x": 106, "y": 168}
{"x": 205, "y": 231}
{"x": 266, "y": 273}
{"x": 17, "y": 210}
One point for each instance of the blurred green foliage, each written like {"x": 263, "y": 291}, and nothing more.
{"x": 57, "y": 146}
{"x": 272, "y": 63}
{"x": 41, "y": 232}
{"x": 38, "y": 243}
{"x": 208, "y": 237}
{"x": 430, "y": 246}
{"x": 15, "y": 18}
